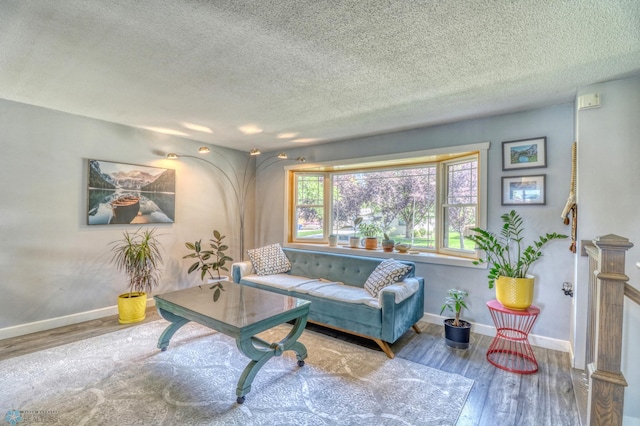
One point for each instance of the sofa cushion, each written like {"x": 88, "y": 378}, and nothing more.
{"x": 282, "y": 281}
{"x": 346, "y": 293}
{"x": 388, "y": 272}
{"x": 269, "y": 260}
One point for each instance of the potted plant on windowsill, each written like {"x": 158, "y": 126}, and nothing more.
{"x": 210, "y": 260}
{"x": 509, "y": 262}
{"x": 457, "y": 332}
{"x": 138, "y": 255}
{"x": 370, "y": 232}
{"x": 387, "y": 243}
{"x": 354, "y": 241}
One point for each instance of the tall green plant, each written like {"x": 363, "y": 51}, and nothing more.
{"x": 505, "y": 253}
{"x": 138, "y": 255}
{"x": 217, "y": 256}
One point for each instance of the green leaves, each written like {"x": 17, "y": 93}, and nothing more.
{"x": 216, "y": 253}
{"x": 505, "y": 254}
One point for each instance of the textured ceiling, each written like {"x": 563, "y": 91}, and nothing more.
{"x": 325, "y": 70}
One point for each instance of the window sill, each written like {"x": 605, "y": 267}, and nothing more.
{"x": 430, "y": 258}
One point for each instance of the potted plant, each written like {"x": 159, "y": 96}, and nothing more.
{"x": 509, "y": 262}
{"x": 210, "y": 260}
{"x": 456, "y": 331}
{"x": 138, "y": 255}
{"x": 354, "y": 241}
{"x": 370, "y": 232}
{"x": 387, "y": 243}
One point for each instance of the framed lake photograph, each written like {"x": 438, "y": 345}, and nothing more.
{"x": 524, "y": 154}
{"x": 120, "y": 193}
{"x": 523, "y": 190}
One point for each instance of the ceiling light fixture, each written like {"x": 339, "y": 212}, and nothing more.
{"x": 197, "y": 127}
{"x": 165, "y": 131}
{"x": 203, "y": 150}
{"x": 250, "y": 129}
{"x": 286, "y": 135}
{"x": 255, "y": 151}
{"x": 172, "y": 156}
{"x": 283, "y": 155}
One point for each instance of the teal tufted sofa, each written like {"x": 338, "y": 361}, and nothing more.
{"x": 334, "y": 283}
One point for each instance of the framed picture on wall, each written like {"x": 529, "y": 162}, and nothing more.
{"x": 120, "y": 193}
{"x": 523, "y": 190}
{"x": 524, "y": 154}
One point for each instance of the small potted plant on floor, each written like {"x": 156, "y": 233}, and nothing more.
{"x": 370, "y": 232}
{"x": 138, "y": 255}
{"x": 509, "y": 261}
{"x": 456, "y": 331}
{"x": 210, "y": 260}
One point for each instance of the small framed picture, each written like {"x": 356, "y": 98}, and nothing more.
{"x": 524, "y": 154}
{"x": 523, "y": 190}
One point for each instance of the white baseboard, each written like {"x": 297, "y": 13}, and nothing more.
{"x": 34, "y": 327}
{"x": 488, "y": 330}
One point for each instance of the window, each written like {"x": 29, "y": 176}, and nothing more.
{"x": 428, "y": 201}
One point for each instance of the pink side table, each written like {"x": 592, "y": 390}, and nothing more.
{"x": 510, "y": 349}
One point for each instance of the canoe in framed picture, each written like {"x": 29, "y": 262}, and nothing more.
{"x": 120, "y": 193}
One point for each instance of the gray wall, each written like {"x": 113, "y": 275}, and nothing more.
{"x": 608, "y": 190}
{"x": 556, "y": 123}
{"x": 51, "y": 263}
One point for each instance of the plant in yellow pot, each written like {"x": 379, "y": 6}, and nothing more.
{"x": 509, "y": 261}
{"x": 138, "y": 255}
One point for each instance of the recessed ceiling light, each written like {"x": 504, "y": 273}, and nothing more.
{"x": 287, "y": 135}
{"x": 250, "y": 129}
{"x": 304, "y": 140}
{"x": 197, "y": 127}
{"x": 165, "y": 131}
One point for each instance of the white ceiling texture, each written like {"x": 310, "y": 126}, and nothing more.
{"x": 274, "y": 74}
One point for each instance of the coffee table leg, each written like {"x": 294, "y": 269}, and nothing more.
{"x": 260, "y": 352}
{"x": 167, "y": 334}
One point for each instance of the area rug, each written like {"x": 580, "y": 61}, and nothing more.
{"x": 121, "y": 378}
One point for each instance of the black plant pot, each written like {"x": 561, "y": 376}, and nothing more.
{"x": 457, "y": 337}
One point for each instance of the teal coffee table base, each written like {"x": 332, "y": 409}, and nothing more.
{"x": 256, "y": 349}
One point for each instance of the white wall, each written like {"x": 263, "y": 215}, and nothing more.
{"x": 53, "y": 267}
{"x": 556, "y": 123}
{"x": 609, "y": 203}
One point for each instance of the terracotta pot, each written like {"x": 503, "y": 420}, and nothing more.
{"x": 132, "y": 309}
{"x": 515, "y": 293}
{"x": 387, "y": 245}
{"x": 371, "y": 243}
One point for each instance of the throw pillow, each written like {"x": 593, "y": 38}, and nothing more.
{"x": 388, "y": 272}
{"x": 269, "y": 260}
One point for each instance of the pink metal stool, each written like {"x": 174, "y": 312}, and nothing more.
{"x": 510, "y": 349}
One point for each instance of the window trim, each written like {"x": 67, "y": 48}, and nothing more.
{"x": 395, "y": 160}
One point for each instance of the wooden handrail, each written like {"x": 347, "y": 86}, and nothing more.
{"x": 607, "y": 289}
{"x": 632, "y": 293}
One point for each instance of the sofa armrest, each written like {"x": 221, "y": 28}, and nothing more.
{"x": 241, "y": 269}
{"x": 401, "y": 290}
{"x": 398, "y": 317}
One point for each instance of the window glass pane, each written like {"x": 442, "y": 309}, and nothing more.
{"x": 309, "y": 209}
{"x": 460, "y": 210}
{"x": 310, "y": 220}
{"x": 400, "y": 202}
{"x": 458, "y": 223}
{"x": 462, "y": 183}
{"x": 310, "y": 190}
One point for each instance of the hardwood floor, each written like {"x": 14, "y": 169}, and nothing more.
{"x": 497, "y": 397}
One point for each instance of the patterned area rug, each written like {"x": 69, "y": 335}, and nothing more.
{"x": 122, "y": 379}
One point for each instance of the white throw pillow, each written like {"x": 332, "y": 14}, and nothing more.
{"x": 269, "y": 260}
{"x": 388, "y": 272}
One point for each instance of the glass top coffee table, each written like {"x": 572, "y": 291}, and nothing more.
{"x": 241, "y": 312}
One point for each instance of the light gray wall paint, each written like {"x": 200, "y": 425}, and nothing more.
{"x": 608, "y": 202}
{"x": 51, "y": 263}
{"x": 556, "y": 123}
